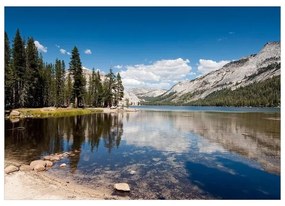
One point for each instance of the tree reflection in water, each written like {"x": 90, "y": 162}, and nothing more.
{"x": 30, "y": 139}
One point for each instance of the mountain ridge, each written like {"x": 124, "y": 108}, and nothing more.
{"x": 235, "y": 74}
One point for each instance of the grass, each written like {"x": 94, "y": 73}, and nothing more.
{"x": 55, "y": 112}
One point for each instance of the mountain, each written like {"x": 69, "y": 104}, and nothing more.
{"x": 249, "y": 70}
{"x": 136, "y": 95}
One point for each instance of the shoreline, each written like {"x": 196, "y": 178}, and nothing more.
{"x": 48, "y": 112}
{"x": 32, "y": 185}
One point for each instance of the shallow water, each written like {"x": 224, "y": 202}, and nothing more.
{"x": 161, "y": 154}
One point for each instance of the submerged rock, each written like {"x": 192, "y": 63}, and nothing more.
{"x": 132, "y": 172}
{"x": 122, "y": 187}
{"x": 26, "y": 168}
{"x": 63, "y": 165}
{"x": 10, "y": 169}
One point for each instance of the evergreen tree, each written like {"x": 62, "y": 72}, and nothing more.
{"x": 78, "y": 89}
{"x": 9, "y": 76}
{"x": 19, "y": 66}
{"x": 119, "y": 89}
{"x": 41, "y": 81}
{"x": 59, "y": 81}
{"x": 109, "y": 87}
{"x": 32, "y": 76}
{"x": 47, "y": 78}
{"x": 68, "y": 90}
{"x": 98, "y": 90}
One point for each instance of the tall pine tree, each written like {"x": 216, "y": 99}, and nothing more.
{"x": 19, "y": 65}
{"x": 59, "y": 79}
{"x": 33, "y": 75}
{"x": 9, "y": 76}
{"x": 119, "y": 89}
{"x": 75, "y": 67}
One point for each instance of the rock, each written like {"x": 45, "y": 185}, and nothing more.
{"x": 37, "y": 162}
{"x": 26, "y": 168}
{"x": 39, "y": 168}
{"x": 10, "y": 169}
{"x": 122, "y": 187}
{"x": 156, "y": 159}
{"x": 63, "y": 165}
{"x": 132, "y": 172}
{"x": 14, "y": 120}
{"x": 54, "y": 158}
{"x": 72, "y": 155}
{"x": 48, "y": 157}
{"x": 15, "y": 113}
{"x": 49, "y": 163}
{"x": 76, "y": 151}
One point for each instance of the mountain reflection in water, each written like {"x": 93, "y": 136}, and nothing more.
{"x": 163, "y": 148}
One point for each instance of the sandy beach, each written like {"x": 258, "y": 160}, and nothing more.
{"x": 31, "y": 185}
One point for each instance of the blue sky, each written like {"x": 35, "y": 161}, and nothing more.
{"x": 154, "y": 47}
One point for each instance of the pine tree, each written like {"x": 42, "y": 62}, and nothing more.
{"x": 9, "y": 76}
{"x": 119, "y": 89}
{"x": 79, "y": 81}
{"x": 19, "y": 65}
{"x": 68, "y": 90}
{"x": 41, "y": 82}
{"x": 59, "y": 81}
{"x": 109, "y": 87}
{"x": 32, "y": 76}
{"x": 99, "y": 90}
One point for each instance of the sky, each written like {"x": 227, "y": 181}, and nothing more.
{"x": 150, "y": 46}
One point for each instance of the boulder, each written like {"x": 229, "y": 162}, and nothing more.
{"x": 10, "y": 169}
{"x": 63, "y": 165}
{"x": 37, "y": 162}
{"x": 14, "y": 120}
{"x": 39, "y": 168}
{"x": 49, "y": 163}
{"x": 48, "y": 157}
{"x": 15, "y": 113}
{"x": 26, "y": 168}
{"x": 54, "y": 158}
{"x": 122, "y": 187}
{"x": 132, "y": 172}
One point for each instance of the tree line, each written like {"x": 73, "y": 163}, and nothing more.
{"x": 29, "y": 82}
{"x": 258, "y": 94}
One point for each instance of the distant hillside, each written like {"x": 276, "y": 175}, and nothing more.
{"x": 140, "y": 95}
{"x": 228, "y": 81}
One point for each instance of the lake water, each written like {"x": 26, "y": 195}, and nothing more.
{"x": 162, "y": 152}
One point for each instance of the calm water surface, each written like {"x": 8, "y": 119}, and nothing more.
{"x": 164, "y": 154}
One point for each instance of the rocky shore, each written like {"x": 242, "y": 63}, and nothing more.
{"x": 23, "y": 181}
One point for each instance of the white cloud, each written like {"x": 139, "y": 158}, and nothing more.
{"x": 160, "y": 74}
{"x": 57, "y": 46}
{"x": 205, "y": 65}
{"x": 63, "y": 51}
{"x": 88, "y": 51}
{"x": 40, "y": 47}
{"x": 118, "y": 67}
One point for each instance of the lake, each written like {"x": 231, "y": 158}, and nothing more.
{"x": 161, "y": 152}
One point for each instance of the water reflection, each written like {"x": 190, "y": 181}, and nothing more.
{"x": 173, "y": 154}
{"x": 37, "y": 137}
